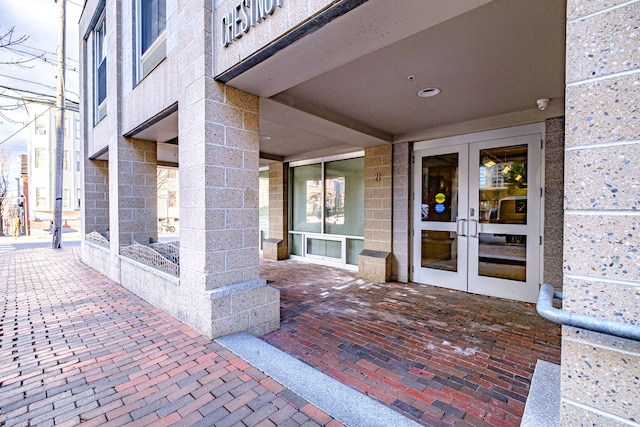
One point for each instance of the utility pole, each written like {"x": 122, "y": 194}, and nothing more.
{"x": 60, "y": 104}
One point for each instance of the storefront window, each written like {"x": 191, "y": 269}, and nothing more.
{"x": 344, "y": 197}
{"x": 327, "y": 211}
{"x": 307, "y": 198}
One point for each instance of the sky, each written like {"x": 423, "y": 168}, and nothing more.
{"x": 37, "y": 19}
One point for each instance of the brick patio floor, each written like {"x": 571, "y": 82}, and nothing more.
{"x": 77, "y": 348}
{"x": 440, "y": 357}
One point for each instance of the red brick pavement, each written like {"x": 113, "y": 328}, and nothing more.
{"x": 78, "y": 348}
{"x": 440, "y": 357}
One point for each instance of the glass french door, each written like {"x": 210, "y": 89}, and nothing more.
{"x": 477, "y": 217}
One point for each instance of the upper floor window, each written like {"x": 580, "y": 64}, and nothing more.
{"x": 41, "y": 197}
{"x": 41, "y": 125}
{"x": 152, "y": 23}
{"x": 40, "y": 157}
{"x": 100, "y": 69}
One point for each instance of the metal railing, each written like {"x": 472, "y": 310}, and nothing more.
{"x": 167, "y": 261}
{"x": 546, "y": 309}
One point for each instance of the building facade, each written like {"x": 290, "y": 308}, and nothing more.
{"x": 471, "y": 145}
{"x": 38, "y": 183}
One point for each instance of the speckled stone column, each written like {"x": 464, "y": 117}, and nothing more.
{"x": 220, "y": 290}
{"x": 137, "y": 190}
{"x": 601, "y": 373}
{"x": 374, "y": 262}
{"x": 401, "y": 211}
{"x": 276, "y": 247}
{"x": 95, "y": 205}
{"x": 553, "y": 201}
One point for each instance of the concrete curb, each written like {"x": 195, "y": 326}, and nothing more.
{"x": 336, "y": 399}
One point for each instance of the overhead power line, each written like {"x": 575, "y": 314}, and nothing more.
{"x": 44, "y": 51}
{"x": 41, "y": 57}
{"x": 25, "y": 126}
{"x": 28, "y": 81}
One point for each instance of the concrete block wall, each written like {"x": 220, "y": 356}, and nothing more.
{"x": 95, "y": 202}
{"x": 553, "y": 201}
{"x": 378, "y": 200}
{"x": 401, "y": 211}
{"x": 137, "y": 191}
{"x": 599, "y": 384}
{"x": 219, "y": 161}
{"x": 378, "y": 225}
{"x": 277, "y": 247}
{"x": 158, "y": 90}
{"x": 100, "y": 259}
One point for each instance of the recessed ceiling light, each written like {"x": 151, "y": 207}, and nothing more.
{"x": 264, "y": 137}
{"x": 428, "y": 92}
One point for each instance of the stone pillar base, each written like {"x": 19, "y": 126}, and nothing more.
{"x": 252, "y": 307}
{"x": 274, "y": 249}
{"x": 374, "y": 265}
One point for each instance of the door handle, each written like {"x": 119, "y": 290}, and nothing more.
{"x": 475, "y": 233}
{"x": 460, "y": 227}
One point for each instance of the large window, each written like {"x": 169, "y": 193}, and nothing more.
{"x": 327, "y": 210}
{"x": 344, "y": 197}
{"x": 152, "y": 23}
{"x": 100, "y": 70}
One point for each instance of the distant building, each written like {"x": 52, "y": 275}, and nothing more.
{"x": 41, "y": 173}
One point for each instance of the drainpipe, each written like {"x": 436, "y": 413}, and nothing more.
{"x": 545, "y": 309}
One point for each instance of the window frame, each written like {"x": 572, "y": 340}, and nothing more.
{"x": 99, "y": 61}
{"x": 41, "y": 197}
{"x": 148, "y": 57}
{"x": 40, "y": 158}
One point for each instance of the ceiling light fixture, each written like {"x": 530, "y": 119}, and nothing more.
{"x": 428, "y": 92}
{"x": 264, "y": 137}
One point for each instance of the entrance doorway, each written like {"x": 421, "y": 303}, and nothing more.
{"x": 477, "y": 216}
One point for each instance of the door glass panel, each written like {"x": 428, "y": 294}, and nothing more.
{"x": 440, "y": 188}
{"x": 502, "y": 183}
{"x": 503, "y": 256}
{"x": 440, "y": 250}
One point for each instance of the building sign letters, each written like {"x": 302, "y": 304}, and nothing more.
{"x": 245, "y": 15}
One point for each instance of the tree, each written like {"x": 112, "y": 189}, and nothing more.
{"x": 9, "y": 41}
{"x": 4, "y": 185}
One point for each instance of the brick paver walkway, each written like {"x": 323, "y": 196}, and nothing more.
{"x": 440, "y": 357}
{"x": 78, "y": 348}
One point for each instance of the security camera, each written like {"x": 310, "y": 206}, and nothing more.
{"x": 542, "y": 103}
